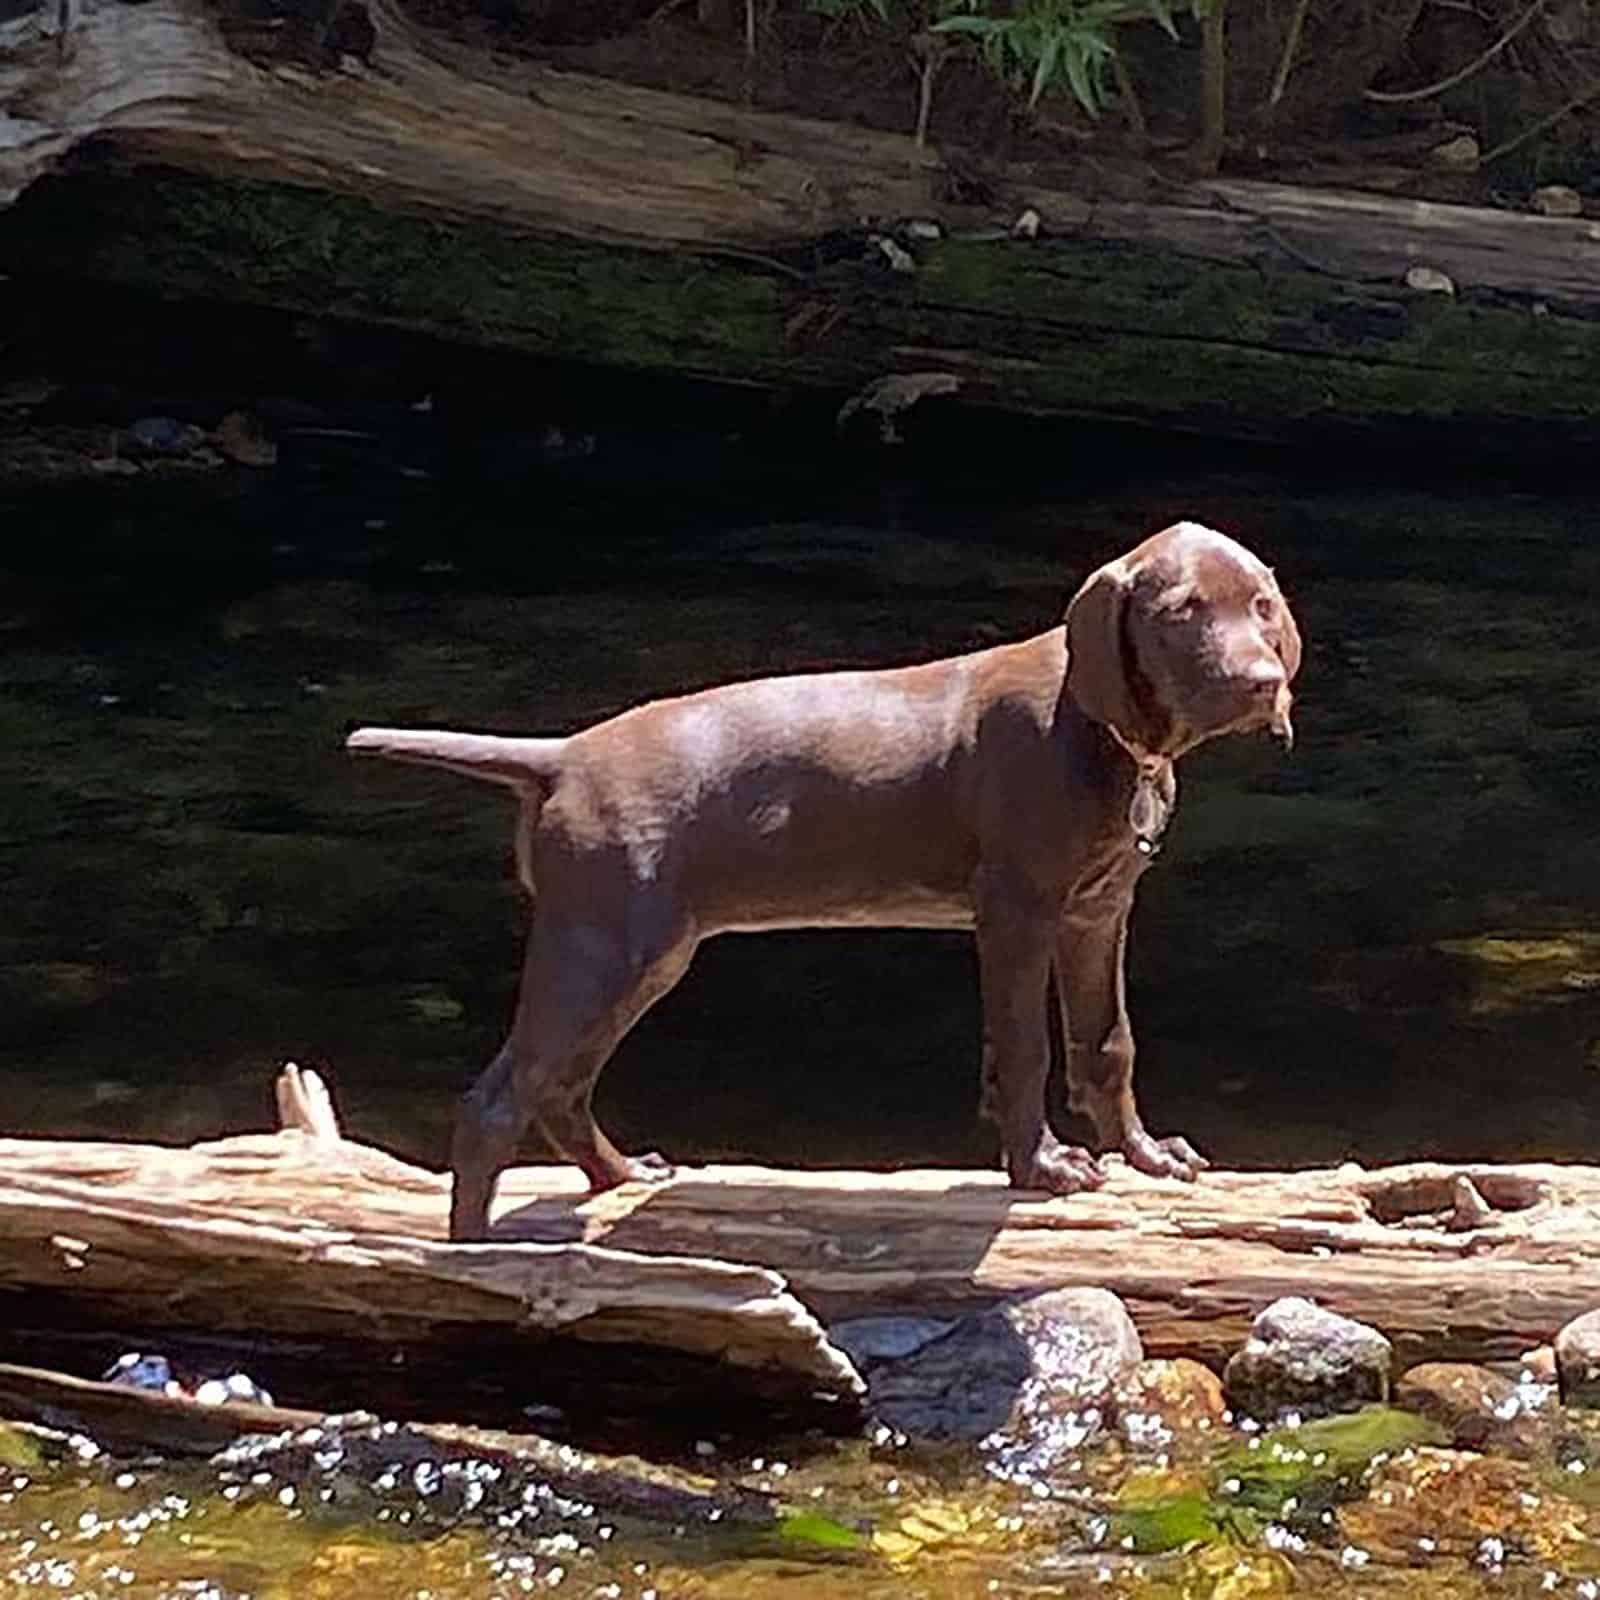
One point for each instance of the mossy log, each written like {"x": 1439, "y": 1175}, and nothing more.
{"x": 577, "y": 218}
{"x": 305, "y": 1232}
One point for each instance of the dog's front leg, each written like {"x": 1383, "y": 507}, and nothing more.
{"x": 1016, "y": 931}
{"x": 1099, "y": 1040}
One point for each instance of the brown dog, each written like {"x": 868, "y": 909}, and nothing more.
{"x": 1018, "y": 791}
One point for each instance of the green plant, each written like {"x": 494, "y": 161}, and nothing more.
{"x": 1032, "y": 46}
{"x": 1043, "y": 43}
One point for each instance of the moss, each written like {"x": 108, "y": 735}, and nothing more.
{"x": 335, "y": 255}
{"x": 20, "y": 1450}
{"x": 1063, "y": 327}
{"x": 1511, "y": 972}
{"x": 1109, "y": 327}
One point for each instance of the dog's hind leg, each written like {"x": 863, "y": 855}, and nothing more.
{"x": 583, "y": 987}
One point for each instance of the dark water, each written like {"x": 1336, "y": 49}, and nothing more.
{"x": 1385, "y": 946}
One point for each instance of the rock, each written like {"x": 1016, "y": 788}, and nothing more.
{"x": 898, "y": 258}
{"x": 1183, "y": 1391}
{"x": 1083, "y": 1340}
{"x": 164, "y": 436}
{"x": 1428, "y": 1503}
{"x": 238, "y": 1388}
{"x": 1302, "y": 1358}
{"x": 240, "y": 437}
{"x": 1029, "y": 1378}
{"x": 1459, "y": 154}
{"x": 1429, "y": 280}
{"x": 1578, "y": 1360}
{"x": 888, "y": 396}
{"x": 135, "y": 1370}
{"x": 1160, "y": 1401}
{"x": 1557, "y": 200}
{"x": 1538, "y": 1365}
{"x": 869, "y": 1341}
{"x": 1479, "y": 1409}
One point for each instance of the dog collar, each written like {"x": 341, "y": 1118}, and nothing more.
{"x": 1155, "y": 795}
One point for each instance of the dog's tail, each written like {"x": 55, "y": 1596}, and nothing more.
{"x": 526, "y": 765}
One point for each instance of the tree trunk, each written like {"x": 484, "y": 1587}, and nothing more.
{"x": 295, "y": 1233}
{"x": 581, "y": 219}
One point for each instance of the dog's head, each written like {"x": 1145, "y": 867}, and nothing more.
{"x": 1184, "y": 638}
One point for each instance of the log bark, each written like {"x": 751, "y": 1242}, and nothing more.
{"x": 155, "y": 1257}
{"x": 578, "y": 218}
{"x": 311, "y": 1234}
{"x": 140, "y": 1236}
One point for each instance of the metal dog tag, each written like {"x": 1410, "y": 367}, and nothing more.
{"x": 1144, "y": 814}
{"x": 1148, "y": 812}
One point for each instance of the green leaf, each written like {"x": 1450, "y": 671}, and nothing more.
{"x": 1082, "y": 78}
{"x": 970, "y": 25}
{"x": 1161, "y": 12}
{"x": 1045, "y": 70}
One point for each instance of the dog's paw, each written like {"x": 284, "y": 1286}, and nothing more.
{"x": 1060, "y": 1169}
{"x": 648, "y": 1168}
{"x": 1174, "y": 1157}
{"x": 651, "y": 1167}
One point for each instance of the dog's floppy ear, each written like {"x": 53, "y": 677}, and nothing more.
{"x": 1288, "y": 640}
{"x": 1099, "y": 669}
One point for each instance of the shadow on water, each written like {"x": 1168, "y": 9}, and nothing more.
{"x": 1354, "y": 952}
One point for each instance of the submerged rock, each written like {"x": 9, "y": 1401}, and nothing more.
{"x": 1160, "y": 1401}
{"x": 1293, "y": 1476}
{"x": 1427, "y": 1502}
{"x": 21, "y": 1449}
{"x": 1578, "y": 1360}
{"x": 1301, "y": 1358}
{"x": 1479, "y": 1409}
{"x": 1032, "y": 1379}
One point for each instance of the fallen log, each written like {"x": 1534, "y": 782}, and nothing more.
{"x": 310, "y": 1234}
{"x": 576, "y": 218}
{"x": 133, "y": 1421}
{"x": 176, "y": 1246}
{"x": 151, "y": 1259}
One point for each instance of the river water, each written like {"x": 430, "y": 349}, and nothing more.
{"x": 1384, "y": 946}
